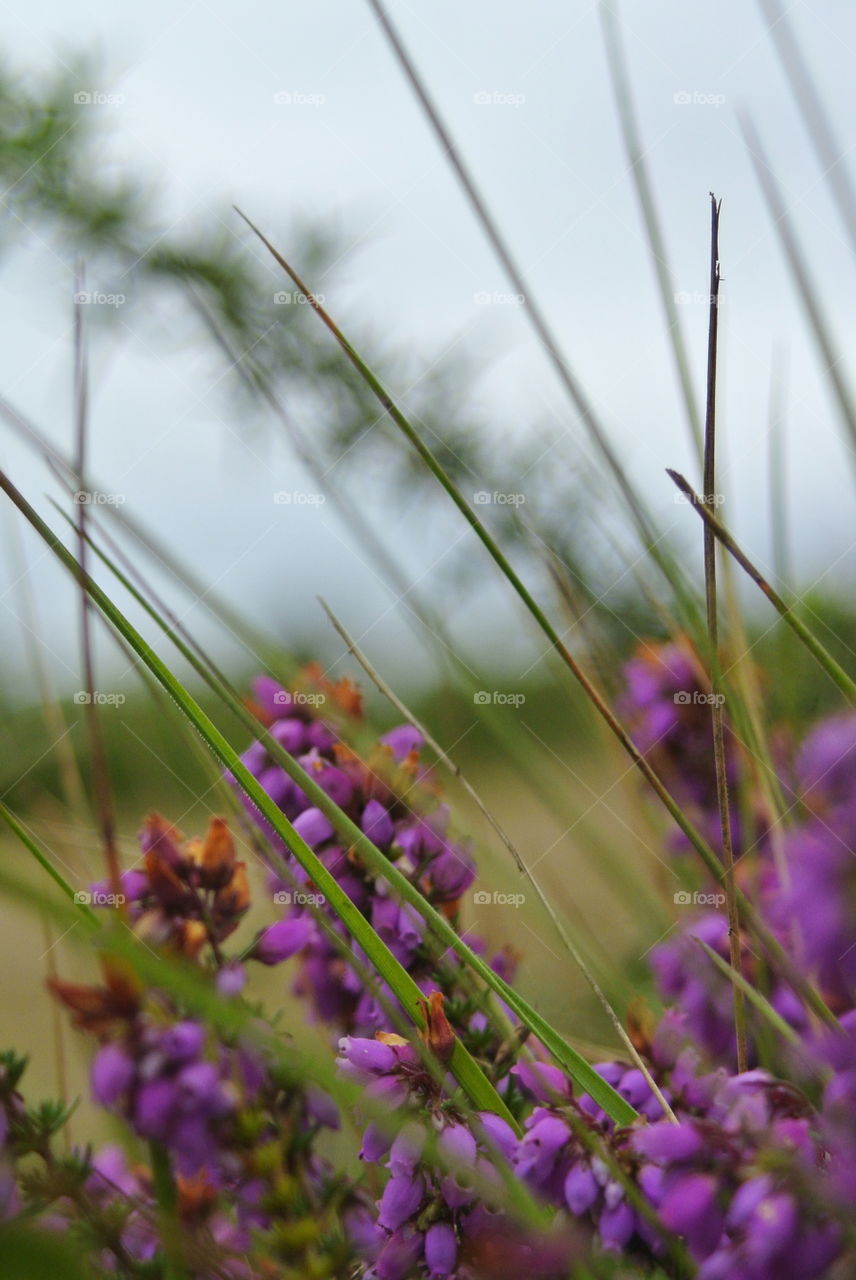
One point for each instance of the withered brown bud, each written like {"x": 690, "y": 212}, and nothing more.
{"x": 438, "y": 1033}
{"x": 234, "y": 898}
{"x": 217, "y": 855}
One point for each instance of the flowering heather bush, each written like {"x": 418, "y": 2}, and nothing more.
{"x": 746, "y": 1176}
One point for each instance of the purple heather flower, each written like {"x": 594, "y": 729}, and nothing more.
{"x": 403, "y": 740}
{"x": 667, "y": 1143}
{"x": 401, "y": 1197}
{"x": 451, "y": 874}
{"x": 689, "y": 1207}
{"x": 377, "y": 824}
{"x": 498, "y": 1133}
{"x": 183, "y": 1041}
{"x": 398, "y": 1256}
{"x": 231, "y": 979}
{"x": 539, "y": 1148}
{"x": 113, "y": 1073}
{"x": 290, "y": 734}
{"x": 313, "y": 826}
{"x": 581, "y": 1189}
{"x": 441, "y": 1250}
{"x": 335, "y": 782}
{"x": 362, "y": 1060}
{"x": 154, "y": 1108}
{"x": 616, "y": 1226}
{"x": 284, "y": 939}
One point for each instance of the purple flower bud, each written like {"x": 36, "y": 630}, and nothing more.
{"x": 271, "y": 696}
{"x": 772, "y": 1230}
{"x": 581, "y": 1189}
{"x": 112, "y": 1075}
{"x": 290, "y": 733}
{"x": 401, "y": 1197}
{"x": 375, "y": 1145}
{"x": 361, "y": 1060}
{"x": 313, "y": 827}
{"x": 284, "y": 939}
{"x": 407, "y": 1148}
{"x": 499, "y": 1133}
{"x": 377, "y": 824}
{"x": 335, "y": 782}
{"x": 537, "y": 1153}
{"x": 452, "y": 873}
{"x": 231, "y": 979}
{"x": 183, "y": 1041}
{"x": 616, "y": 1226}
{"x": 689, "y": 1207}
{"x": 544, "y": 1081}
{"x": 154, "y": 1108}
{"x": 363, "y": 1232}
{"x": 399, "y": 1255}
{"x": 458, "y": 1147}
{"x": 278, "y": 785}
{"x": 255, "y": 758}
{"x": 667, "y": 1143}
{"x": 403, "y": 740}
{"x": 441, "y": 1250}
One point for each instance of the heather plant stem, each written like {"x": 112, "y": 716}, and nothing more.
{"x": 100, "y": 773}
{"x": 166, "y": 1195}
{"x": 812, "y": 997}
{"x": 709, "y": 498}
{"x": 822, "y": 655}
{"x": 455, "y": 770}
{"x": 462, "y": 1065}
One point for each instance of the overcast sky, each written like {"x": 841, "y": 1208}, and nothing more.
{"x": 298, "y": 108}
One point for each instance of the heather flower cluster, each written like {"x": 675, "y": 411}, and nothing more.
{"x": 749, "y": 1176}
{"x": 393, "y": 799}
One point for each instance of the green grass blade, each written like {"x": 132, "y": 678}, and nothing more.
{"x": 44, "y": 862}
{"x": 755, "y": 997}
